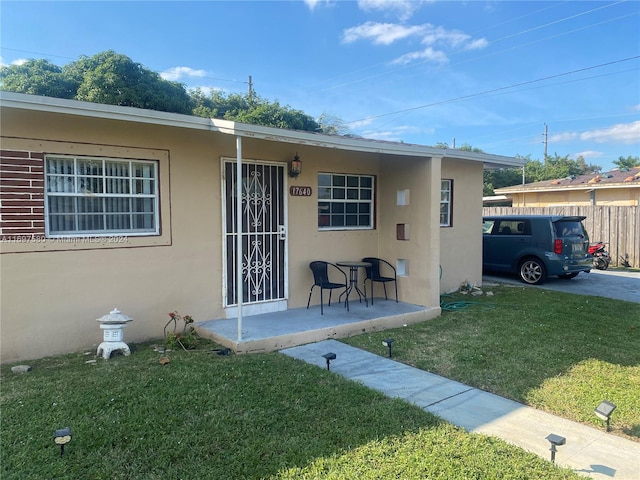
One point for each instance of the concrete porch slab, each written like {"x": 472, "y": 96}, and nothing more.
{"x": 269, "y": 332}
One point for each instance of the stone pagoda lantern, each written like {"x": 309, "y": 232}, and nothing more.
{"x": 112, "y": 326}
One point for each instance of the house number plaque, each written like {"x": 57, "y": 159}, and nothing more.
{"x": 300, "y": 191}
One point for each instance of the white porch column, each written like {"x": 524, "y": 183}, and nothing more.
{"x": 433, "y": 222}
{"x": 239, "y": 290}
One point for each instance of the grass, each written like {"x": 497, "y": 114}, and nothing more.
{"x": 269, "y": 416}
{"x": 204, "y": 416}
{"x": 558, "y": 352}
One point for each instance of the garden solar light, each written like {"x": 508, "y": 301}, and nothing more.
{"x": 329, "y": 356}
{"x": 556, "y": 441}
{"x": 387, "y": 343}
{"x": 604, "y": 411}
{"x": 62, "y": 437}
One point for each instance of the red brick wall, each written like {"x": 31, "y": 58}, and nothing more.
{"x": 21, "y": 194}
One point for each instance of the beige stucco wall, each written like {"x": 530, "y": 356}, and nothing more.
{"x": 461, "y": 244}
{"x": 625, "y": 196}
{"x": 51, "y": 292}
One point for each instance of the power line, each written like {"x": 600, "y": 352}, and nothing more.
{"x": 388, "y": 72}
{"x": 486, "y": 92}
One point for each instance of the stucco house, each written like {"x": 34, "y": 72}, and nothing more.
{"x": 615, "y": 188}
{"x": 104, "y": 206}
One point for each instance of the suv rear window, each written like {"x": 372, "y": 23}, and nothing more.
{"x": 507, "y": 227}
{"x": 566, "y": 228}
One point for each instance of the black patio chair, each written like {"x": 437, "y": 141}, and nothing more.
{"x": 374, "y": 275}
{"x": 321, "y": 279}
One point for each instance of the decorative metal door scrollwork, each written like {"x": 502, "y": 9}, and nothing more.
{"x": 263, "y": 220}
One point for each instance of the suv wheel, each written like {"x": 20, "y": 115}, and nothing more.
{"x": 532, "y": 271}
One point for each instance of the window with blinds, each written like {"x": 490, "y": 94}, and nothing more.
{"x": 99, "y": 196}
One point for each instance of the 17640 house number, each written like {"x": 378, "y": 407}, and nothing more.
{"x": 300, "y": 191}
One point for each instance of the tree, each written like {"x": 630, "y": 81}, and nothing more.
{"x": 37, "y": 77}
{"x": 251, "y": 109}
{"x": 536, "y": 171}
{"x": 332, "y": 124}
{"x": 628, "y": 162}
{"x": 115, "y": 79}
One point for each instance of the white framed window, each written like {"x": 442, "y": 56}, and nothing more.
{"x": 345, "y": 201}
{"x": 446, "y": 203}
{"x": 100, "y": 196}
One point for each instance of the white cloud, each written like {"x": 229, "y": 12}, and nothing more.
{"x": 588, "y": 154}
{"x": 19, "y": 61}
{"x": 429, "y": 35}
{"x": 312, "y": 4}
{"x": 176, "y": 73}
{"x": 381, "y": 33}
{"x": 428, "y": 54}
{"x": 621, "y": 133}
{"x": 627, "y": 133}
{"x": 403, "y": 8}
{"x": 563, "y": 137}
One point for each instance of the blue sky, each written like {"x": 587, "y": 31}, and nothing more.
{"x": 489, "y": 74}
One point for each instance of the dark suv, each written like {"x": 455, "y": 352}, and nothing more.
{"x": 536, "y": 246}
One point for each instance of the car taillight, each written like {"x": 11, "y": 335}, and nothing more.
{"x": 557, "y": 246}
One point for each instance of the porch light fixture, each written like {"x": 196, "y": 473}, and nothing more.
{"x": 295, "y": 166}
{"x": 62, "y": 437}
{"x": 556, "y": 441}
{"x": 604, "y": 411}
{"x": 387, "y": 343}
{"x": 329, "y": 356}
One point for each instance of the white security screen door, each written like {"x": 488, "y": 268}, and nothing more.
{"x": 263, "y": 234}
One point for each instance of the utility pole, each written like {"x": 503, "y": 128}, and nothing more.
{"x": 250, "y": 88}
{"x": 545, "y": 135}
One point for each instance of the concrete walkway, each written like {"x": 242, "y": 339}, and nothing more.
{"x": 588, "y": 451}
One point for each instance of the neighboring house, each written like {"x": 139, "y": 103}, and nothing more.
{"x": 105, "y": 206}
{"x": 615, "y": 188}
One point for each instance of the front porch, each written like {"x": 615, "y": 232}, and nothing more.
{"x": 298, "y": 326}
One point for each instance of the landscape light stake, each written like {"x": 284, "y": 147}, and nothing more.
{"x": 604, "y": 411}
{"x": 329, "y": 356}
{"x": 62, "y": 437}
{"x": 387, "y": 343}
{"x": 556, "y": 441}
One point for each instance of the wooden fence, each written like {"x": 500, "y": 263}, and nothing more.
{"x": 618, "y": 227}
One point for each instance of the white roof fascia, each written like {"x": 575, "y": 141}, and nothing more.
{"x": 139, "y": 115}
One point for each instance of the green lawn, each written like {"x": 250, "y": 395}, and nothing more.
{"x": 205, "y": 416}
{"x": 558, "y": 352}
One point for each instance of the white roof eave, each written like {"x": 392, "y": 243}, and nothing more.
{"x": 139, "y": 115}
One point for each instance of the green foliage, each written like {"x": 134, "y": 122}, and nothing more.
{"x": 115, "y": 79}
{"x": 628, "y": 162}
{"x": 536, "y": 171}
{"x": 37, "y": 77}
{"x": 332, "y": 124}
{"x": 251, "y": 109}
{"x": 185, "y": 338}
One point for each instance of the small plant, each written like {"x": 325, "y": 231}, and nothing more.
{"x": 187, "y": 338}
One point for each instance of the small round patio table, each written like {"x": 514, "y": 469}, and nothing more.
{"x": 353, "y": 278}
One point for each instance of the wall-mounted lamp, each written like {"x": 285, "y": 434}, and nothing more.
{"x": 329, "y": 356}
{"x": 295, "y": 166}
{"x": 556, "y": 441}
{"x": 62, "y": 437}
{"x": 604, "y": 411}
{"x": 387, "y": 343}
